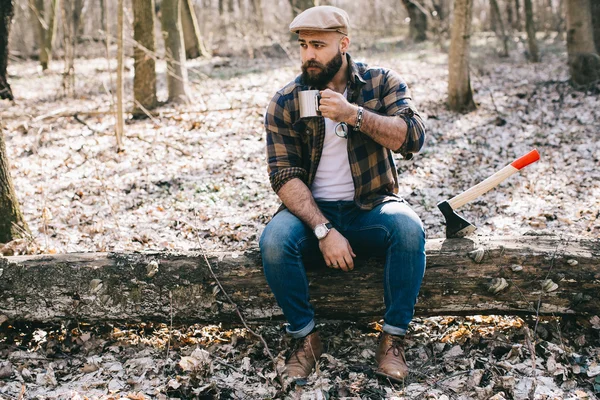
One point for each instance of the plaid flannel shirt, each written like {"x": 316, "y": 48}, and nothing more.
{"x": 294, "y": 145}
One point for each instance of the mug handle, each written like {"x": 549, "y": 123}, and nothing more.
{"x": 317, "y": 101}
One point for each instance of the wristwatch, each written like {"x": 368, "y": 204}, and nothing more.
{"x": 322, "y": 230}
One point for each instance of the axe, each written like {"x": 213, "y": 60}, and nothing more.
{"x": 457, "y": 226}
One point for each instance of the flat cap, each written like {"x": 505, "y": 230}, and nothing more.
{"x": 321, "y": 18}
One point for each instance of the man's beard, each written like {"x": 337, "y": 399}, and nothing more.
{"x": 322, "y": 78}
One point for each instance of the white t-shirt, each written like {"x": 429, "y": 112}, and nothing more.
{"x": 333, "y": 180}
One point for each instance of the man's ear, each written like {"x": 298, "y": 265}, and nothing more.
{"x": 344, "y": 44}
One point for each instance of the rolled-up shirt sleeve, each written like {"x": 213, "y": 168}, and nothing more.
{"x": 397, "y": 101}
{"x": 284, "y": 145}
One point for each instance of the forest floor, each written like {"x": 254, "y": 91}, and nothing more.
{"x": 194, "y": 176}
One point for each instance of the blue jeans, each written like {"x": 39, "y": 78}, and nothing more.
{"x": 391, "y": 229}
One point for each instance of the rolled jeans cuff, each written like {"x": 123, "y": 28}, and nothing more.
{"x": 302, "y": 332}
{"x": 393, "y": 330}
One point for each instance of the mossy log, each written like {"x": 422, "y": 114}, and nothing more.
{"x": 503, "y": 275}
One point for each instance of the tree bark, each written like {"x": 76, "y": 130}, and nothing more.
{"x": 418, "y": 21}
{"x": 12, "y": 223}
{"x": 534, "y": 53}
{"x": 503, "y": 36}
{"x": 177, "y": 76}
{"x": 49, "y": 35}
{"x": 554, "y": 276}
{"x": 144, "y": 80}
{"x": 584, "y": 62}
{"x": 460, "y": 94}
{"x": 194, "y": 45}
{"x": 6, "y": 14}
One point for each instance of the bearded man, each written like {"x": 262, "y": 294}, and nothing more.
{"x": 336, "y": 176}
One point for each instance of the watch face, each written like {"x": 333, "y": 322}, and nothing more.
{"x": 320, "y": 231}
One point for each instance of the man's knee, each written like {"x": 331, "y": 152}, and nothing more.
{"x": 281, "y": 235}
{"x": 405, "y": 227}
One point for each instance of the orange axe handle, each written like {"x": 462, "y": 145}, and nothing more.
{"x": 494, "y": 180}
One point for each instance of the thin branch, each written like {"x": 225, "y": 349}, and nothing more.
{"x": 237, "y": 309}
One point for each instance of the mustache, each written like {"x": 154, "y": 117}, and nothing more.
{"x": 312, "y": 63}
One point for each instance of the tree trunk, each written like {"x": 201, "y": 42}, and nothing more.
{"x": 517, "y": 26}
{"x": 6, "y": 14}
{"x": 300, "y": 5}
{"x": 120, "y": 131}
{"x": 521, "y": 275}
{"x": 509, "y": 16}
{"x": 36, "y": 10}
{"x": 503, "y": 36}
{"x": 534, "y": 53}
{"x": 460, "y": 94}
{"x": 418, "y": 21}
{"x": 256, "y": 6}
{"x": 596, "y": 23}
{"x": 71, "y": 13}
{"x": 176, "y": 72}
{"x": 194, "y": 45}
{"x": 584, "y": 62}
{"x": 144, "y": 80}
{"x": 49, "y": 35}
{"x": 12, "y": 223}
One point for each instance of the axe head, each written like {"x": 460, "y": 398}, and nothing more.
{"x": 456, "y": 226}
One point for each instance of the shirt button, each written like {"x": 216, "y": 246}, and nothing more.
{"x": 307, "y": 131}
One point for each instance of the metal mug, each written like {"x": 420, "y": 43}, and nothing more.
{"x": 309, "y": 103}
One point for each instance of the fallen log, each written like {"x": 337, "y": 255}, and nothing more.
{"x": 520, "y": 275}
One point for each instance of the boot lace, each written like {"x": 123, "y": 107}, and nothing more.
{"x": 397, "y": 346}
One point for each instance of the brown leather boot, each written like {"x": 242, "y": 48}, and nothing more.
{"x": 390, "y": 357}
{"x": 304, "y": 357}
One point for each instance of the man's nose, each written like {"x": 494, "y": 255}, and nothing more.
{"x": 309, "y": 54}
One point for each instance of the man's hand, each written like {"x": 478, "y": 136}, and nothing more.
{"x": 334, "y": 106}
{"x": 337, "y": 251}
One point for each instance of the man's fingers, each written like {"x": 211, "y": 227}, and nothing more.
{"x": 349, "y": 262}
{"x": 351, "y": 251}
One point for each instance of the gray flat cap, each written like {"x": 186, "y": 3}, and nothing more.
{"x": 321, "y": 18}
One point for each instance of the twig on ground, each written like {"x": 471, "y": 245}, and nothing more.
{"x": 237, "y": 309}
{"x": 168, "y": 145}
{"x": 76, "y": 118}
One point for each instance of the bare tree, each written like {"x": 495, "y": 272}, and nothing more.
{"x": 460, "y": 93}
{"x": 517, "y": 25}
{"x": 12, "y": 223}
{"x": 144, "y": 80}
{"x": 584, "y": 62}
{"x": 120, "y": 122}
{"x": 500, "y": 23}
{"x": 194, "y": 45}
{"x": 176, "y": 72}
{"x": 596, "y": 23}
{"x": 418, "y": 20}
{"x": 257, "y": 10}
{"x": 300, "y": 5}
{"x": 71, "y": 15}
{"x": 36, "y": 11}
{"x": 49, "y": 34}
{"x": 534, "y": 53}
{"x": 6, "y": 15}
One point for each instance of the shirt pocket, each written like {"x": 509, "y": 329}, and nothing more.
{"x": 304, "y": 130}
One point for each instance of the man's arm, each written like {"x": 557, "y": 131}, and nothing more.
{"x": 388, "y": 131}
{"x": 400, "y": 130}
{"x": 298, "y": 198}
